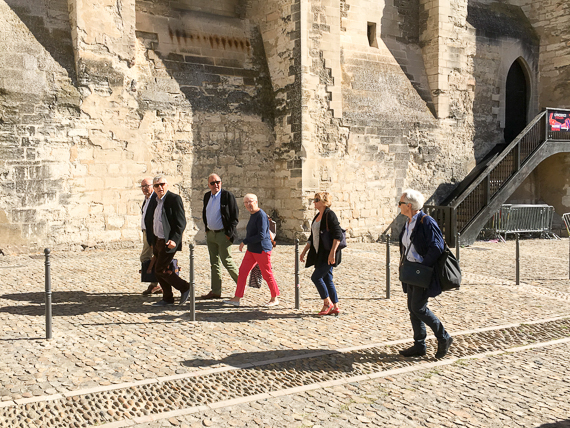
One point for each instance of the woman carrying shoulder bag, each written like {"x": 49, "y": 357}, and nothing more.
{"x": 421, "y": 242}
{"x": 322, "y": 258}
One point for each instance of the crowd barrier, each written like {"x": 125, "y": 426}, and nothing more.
{"x": 522, "y": 218}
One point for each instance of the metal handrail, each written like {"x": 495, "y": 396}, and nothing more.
{"x": 492, "y": 165}
{"x": 464, "y": 209}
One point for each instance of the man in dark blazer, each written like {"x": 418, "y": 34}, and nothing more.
{"x": 147, "y": 211}
{"x": 168, "y": 224}
{"x": 220, "y": 215}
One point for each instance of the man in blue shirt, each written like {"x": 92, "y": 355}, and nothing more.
{"x": 220, "y": 215}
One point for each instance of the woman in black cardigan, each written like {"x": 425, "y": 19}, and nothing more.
{"x": 324, "y": 259}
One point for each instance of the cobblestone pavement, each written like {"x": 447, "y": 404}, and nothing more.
{"x": 523, "y": 389}
{"x": 107, "y": 335}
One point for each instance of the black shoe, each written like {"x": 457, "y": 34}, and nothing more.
{"x": 443, "y": 347}
{"x": 184, "y": 297}
{"x": 162, "y": 303}
{"x": 413, "y": 352}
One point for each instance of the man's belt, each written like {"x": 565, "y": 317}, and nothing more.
{"x": 216, "y": 231}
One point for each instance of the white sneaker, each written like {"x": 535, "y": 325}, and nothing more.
{"x": 275, "y": 303}
{"x": 231, "y": 302}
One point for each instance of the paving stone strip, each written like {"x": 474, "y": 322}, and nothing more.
{"x": 106, "y": 407}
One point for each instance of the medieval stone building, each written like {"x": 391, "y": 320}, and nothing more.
{"x": 279, "y": 97}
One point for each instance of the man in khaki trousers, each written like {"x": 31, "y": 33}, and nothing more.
{"x": 220, "y": 216}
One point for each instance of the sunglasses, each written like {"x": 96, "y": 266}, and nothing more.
{"x": 213, "y": 183}
{"x": 402, "y": 203}
{"x": 159, "y": 185}
{"x": 316, "y": 200}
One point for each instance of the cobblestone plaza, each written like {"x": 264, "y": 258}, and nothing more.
{"x": 116, "y": 361}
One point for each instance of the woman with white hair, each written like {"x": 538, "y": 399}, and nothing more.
{"x": 421, "y": 242}
{"x": 259, "y": 246}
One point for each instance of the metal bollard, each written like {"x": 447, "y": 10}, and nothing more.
{"x": 457, "y": 246}
{"x": 48, "y": 295}
{"x": 518, "y": 261}
{"x": 297, "y": 285}
{"x": 192, "y": 290}
{"x": 387, "y": 266}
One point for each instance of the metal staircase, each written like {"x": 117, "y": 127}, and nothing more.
{"x": 472, "y": 207}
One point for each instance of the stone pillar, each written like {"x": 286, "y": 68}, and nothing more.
{"x": 103, "y": 33}
{"x": 330, "y": 46}
{"x": 435, "y": 28}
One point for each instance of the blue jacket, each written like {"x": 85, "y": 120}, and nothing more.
{"x": 428, "y": 242}
{"x": 258, "y": 238}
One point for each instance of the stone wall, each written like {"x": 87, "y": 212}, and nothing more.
{"x": 551, "y": 20}
{"x": 279, "y": 25}
{"x": 75, "y": 148}
{"x": 549, "y": 183}
{"x": 282, "y": 98}
{"x": 39, "y": 103}
{"x": 387, "y": 137}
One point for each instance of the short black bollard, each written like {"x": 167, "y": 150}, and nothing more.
{"x": 297, "y": 285}
{"x": 387, "y": 266}
{"x": 192, "y": 290}
{"x": 457, "y": 246}
{"x": 518, "y": 261}
{"x": 48, "y": 295}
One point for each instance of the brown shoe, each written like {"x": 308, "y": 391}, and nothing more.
{"x": 210, "y": 296}
{"x": 152, "y": 289}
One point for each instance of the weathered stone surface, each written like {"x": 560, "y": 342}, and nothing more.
{"x": 281, "y": 98}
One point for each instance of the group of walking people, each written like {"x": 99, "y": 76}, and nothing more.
{"x": 163, "y": 222}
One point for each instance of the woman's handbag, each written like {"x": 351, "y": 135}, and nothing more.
{"x": 448, "y": 270}
{"x": 272, "y": 231}
{"x": 327, "y": 239}
{"x": 255, "y": 277}
{"x": 414, "y": 273}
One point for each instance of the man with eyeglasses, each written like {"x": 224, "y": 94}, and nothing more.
{"x": 220, "y": 215}
{"x": 168, "y": 223}
{"x": 147, "y": 211}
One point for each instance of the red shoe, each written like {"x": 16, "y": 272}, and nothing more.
{"x": 335, "y": 311}
{"x": 327, "y": 311}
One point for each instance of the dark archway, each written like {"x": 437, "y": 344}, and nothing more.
{"x": 516, "y": 102}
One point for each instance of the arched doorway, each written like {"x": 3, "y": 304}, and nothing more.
{"x": 516, "y": 102}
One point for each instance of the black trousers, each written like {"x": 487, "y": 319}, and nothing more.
{"x": 165, "y": 279}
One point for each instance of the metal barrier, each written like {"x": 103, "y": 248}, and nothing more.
{"x": 522, "y": 218}
{"x": 566, "y": 218}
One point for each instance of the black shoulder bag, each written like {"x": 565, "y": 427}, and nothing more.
{"x": 327, "y": 239}
{"x": 414, "y": 273}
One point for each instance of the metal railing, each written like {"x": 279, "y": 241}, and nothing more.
{"x": 465, "y": 208}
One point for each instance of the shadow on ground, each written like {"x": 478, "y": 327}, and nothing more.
{"x": 558, "y": 424}
{"x": 74, "y": 303}
{"x": 300, "y": 360}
